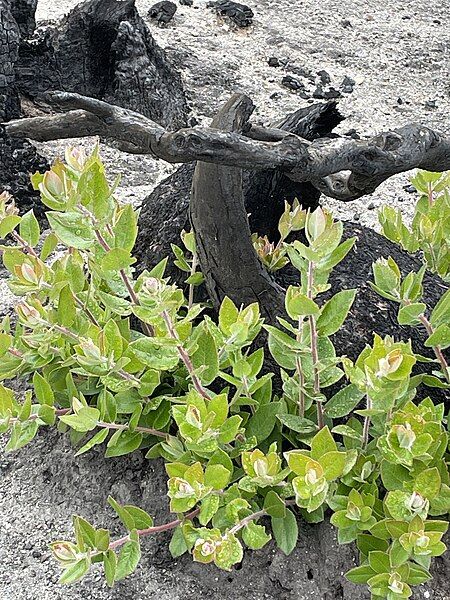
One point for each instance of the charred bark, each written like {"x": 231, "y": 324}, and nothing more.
{"x": 24, "y": 12}
{"x": 229, "y": 263}
{"x": 165, "y": 212}
{"x": 9, "y": 48}
{"x": 18, "y": 157}
{"x": 341, "y": 168}
{"x": 104, "y": 49}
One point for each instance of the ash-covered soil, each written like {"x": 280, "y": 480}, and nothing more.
{"x": 397, "y": 53}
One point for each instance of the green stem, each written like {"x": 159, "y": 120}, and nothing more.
{"x": 366, "y": 427}
{"x": 191, "y": 286}
{"x": 126, "y": 427}
{"x": 314, "y": 349}
{"x": 300, "y": 374}
{"x": 436, "y": 349}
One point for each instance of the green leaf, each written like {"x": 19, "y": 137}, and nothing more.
{"x": 125, "y": 229}
{"x": 125, "y": 443}
{"x": 343, "y": 402}
{"x": 441, "y": 312}
{"x": 379, "y": 562}
{"x": 440, "y": 337}
{"x": 205, "y": 358}
{"x": 21, "y": 434}
{"x": 220, "y": 457}
{"x": 274, "y": 505}
{"x": 297, "y": 424}
{"x": 122, "y": 513}
{"x": 297, "y": 304}
{"x": 129, "y": 557}
{"x": 228, "y": 315}
{"x": 255, "y": 536}
{"x": 72, "y": 229}
{"x": 75, "y": 572}
{"x": 360, "y": 574}
{"x": 177, "y": 546}
{"x": 333, "y": 464}
{"x": 98, "y": 438}
{"x": 394, "y": 476}
{"x": 85, "y": 420}
{"x": 408, "y": 315}
{"x": 368, "y": 543}
{"x": 285, "y": 532}
{"x": 322, "y": 443}
{"x": 5, "y": 343}
{"x": 85, "y": 532}
{"x": 428, "y": 483}
{"x": 29, "y": 229}
{"x": 110, "y": 565}
{"x": 208, "y": 509}
{"x": 102, "y": 539}
{"x": 262, "y": 423}
{"x": 50, "y": 243}
{"x": 217, "y": 476}
{"x": 117, "y": 259}
{"x": 334, "y": 312}
{"x": 142, "y": 520}
{"x": 157, "y": 354}
{"x": 67, "y": 311}
{"x": 8, "y": 224}
{"x": 42, "y": 390}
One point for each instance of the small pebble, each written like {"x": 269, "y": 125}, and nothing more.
{"x": 324, "y": 76}
{"x": 346, "y": 23}
{"x": 431, "y": 104}
{"x": 273, "y": 62}
{"x": 371, "y": 206}
{"x": 292, "y": 83}
{"x": 356, "y": 217}
{"x": 186, "y": 2}
{"x": 347, "y": 85}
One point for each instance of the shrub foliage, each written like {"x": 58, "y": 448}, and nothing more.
{"x": 131, "y": 363}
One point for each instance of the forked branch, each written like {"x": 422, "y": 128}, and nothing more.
{"x": 341, "y": 168}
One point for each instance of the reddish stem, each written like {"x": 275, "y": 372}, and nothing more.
{"x": 185, "y": 357}
{"x": 152, "y": 530}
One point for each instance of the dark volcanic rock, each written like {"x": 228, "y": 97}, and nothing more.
{"x": 104, "y": 49}
{"x": 18, "y": 160}
{"x": 241, "y": 14}
{"x": 23, "y": 12}
{"x": 163, "y": 12}
{"x": 292, "y": 83}
{"x": 186, "y": 2}
{"x": 325, "y": 77}
{"x": 9, "y": 48}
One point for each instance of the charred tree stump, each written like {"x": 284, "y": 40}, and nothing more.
{"x": 104, "y": 49}
{"x": 18, "y": 157}
{"x": 9, "y": 49}
{"x": 24, "y": 12}
{"x": 165, "y": 211}
{"x": 219, "y": 220}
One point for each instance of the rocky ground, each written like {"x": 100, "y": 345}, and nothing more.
{"x": 398, "y": 55}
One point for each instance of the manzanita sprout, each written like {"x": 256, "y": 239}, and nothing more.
{"x": 130, "y": 363}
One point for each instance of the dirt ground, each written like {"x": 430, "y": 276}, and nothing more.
{"x": 398, "y": 54}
